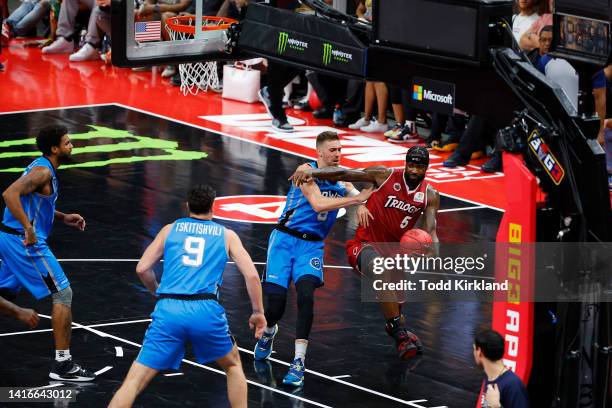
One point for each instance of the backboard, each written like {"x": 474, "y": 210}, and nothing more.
{"x": 141, "y": 35}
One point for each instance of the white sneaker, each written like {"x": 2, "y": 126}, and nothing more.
{"x": 169, "y": 71}
{"x": 375, "y": 127}
{"x": 59, "y": 46}
{"x": 86, "y": 53}
{"x": 359, "y": 124}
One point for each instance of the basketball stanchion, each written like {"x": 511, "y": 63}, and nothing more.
{"x": 197, "y": 76}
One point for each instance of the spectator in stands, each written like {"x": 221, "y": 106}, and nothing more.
{"x": 526, "y": 14}
{"x": 69, "y": 9}
{"x": 405, "y": 129}
{"x": 154, "y": 10}
{"x": 501, "y": 387}
{"x": 472, "y": 142}
{"x": 530, "y": 38}
{"x": 99, "y": 25}
{"x": 279, "y": 75}
{"x": 24, "y": 19}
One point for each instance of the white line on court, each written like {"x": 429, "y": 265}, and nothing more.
{"x": 268, "y": 146}
{"x": 93, "y": 325}
{"x": 118, "y": 351}
{"x": 103, "y": 370}
{"x": 342, "y": 376}
{"x": 102, "y": 334}
{"x": 173, "y": 374}
{"x": 476, "y": 207}
{"x": 316, "y": 373}
{"x": 59, "y": 108}
{"x": 335, "y": 379}
{"x": 46, "y": 386}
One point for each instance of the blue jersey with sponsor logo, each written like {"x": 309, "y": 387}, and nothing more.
{"x": 300, "y": 216}
{"x": 194, "y": 258}
{"x": 39, "y": 208}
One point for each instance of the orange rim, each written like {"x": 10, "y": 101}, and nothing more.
{"x": 184, "y": 24}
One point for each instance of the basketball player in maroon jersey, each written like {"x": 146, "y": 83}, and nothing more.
{"x": 401, "y": 196}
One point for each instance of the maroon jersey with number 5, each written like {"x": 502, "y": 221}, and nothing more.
{"x": 395, "y": 208}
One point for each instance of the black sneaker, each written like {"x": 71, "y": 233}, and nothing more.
{"x": 69, "y": 371}
{"x": 455, "y": 160}
{"x": 264, "y": 97}
{"x": 408, "y": 344}
{"x": 494, "y": 164}
{"x": 282, "y": 125}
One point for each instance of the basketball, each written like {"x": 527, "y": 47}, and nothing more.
{"x": 416, "y": 241}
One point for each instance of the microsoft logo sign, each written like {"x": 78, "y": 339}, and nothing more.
{"x": 417, "y": 93}
{"x": 330, "y": 54}
{"x": 284, "y": 42}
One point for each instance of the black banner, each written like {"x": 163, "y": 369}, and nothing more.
{"x": 433, "y": 96}
{"x": 280, "y": 34}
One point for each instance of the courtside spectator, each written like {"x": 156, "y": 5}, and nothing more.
{"x": 501, "y": 387}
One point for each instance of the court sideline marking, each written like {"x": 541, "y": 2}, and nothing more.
{"x": 337, "y": 379}
{"x": 193, "y": 125}
{"x": 103, "y": 334}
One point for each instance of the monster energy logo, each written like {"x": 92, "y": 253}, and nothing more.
{"x": 282, "y": 42}
{"x": 129, "y": 143}
{"x": 327, "y": 53}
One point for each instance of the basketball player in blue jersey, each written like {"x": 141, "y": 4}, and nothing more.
{"x": 295, "y": 251}
{"x": 27, "y": 261}
{"x": 195, "y": 251}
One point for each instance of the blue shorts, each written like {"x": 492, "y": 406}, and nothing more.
{"x": 175, "y": 322}
{"x": 33, "y": 267}
{"x": 291, "y": 258}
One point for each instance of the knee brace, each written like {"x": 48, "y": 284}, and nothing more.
{"x": 63, "y": 297}
{"x": 276, "y": 297}
{"x": 305, "y": 302}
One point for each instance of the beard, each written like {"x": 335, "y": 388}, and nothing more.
{"x": 414, "y": 181}
{"x": 65, "y": 158}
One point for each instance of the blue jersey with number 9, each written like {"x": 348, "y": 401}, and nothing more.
{"x": 194, "y": 258}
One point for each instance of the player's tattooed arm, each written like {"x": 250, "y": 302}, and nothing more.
{"x": 35, "y": 180}
{"x": 375, "y": 174}
{"x": 150, "y": 257}
{"x": 320, "y": 203}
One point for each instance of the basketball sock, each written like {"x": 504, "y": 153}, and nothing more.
{"x": 300, "y": 349}
{"x": 62, "y": 355}
{"x": 270, "y": 331}
{"x": 394, "y": 326}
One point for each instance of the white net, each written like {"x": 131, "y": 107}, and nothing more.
{"x": 198, "y": 76}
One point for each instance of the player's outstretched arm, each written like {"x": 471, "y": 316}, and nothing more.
{"x": 37, "y": 177}
{"x": 431, "y": 212}
{"x": 320, "y": 203}
{"x": 246, "y": 267}
{"x": 150, "y": 257}
{"x": 375, "y": 174}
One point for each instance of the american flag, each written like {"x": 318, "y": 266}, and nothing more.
{"x": 147, "y": 31}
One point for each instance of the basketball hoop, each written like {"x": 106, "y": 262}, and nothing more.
{"x": 199, "y": 75}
